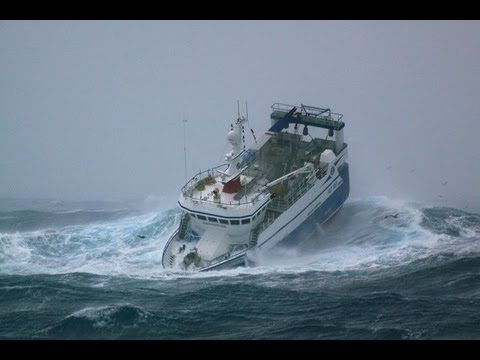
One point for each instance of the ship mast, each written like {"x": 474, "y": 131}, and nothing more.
{"x": 234, "y": 158}
{"x": 185, "y": 147}
{"x": 236, "y": 137}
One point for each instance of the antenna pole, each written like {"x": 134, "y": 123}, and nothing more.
{"x": 246, "y": 108}
{"x": 238, "y": 108}
{"x": 185, "y": 147}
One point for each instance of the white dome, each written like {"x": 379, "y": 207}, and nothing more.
{"x": 232, "y": 136}
{"x": 327, "y": 156}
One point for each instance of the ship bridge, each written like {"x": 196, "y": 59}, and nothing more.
{"x": 283, "y": 114}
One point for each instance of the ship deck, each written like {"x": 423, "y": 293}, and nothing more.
{"x": 249, "y": 191}
{"x": 281, "y": 154}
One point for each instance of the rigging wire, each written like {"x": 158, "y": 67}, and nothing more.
{"x": 248, "y": 124}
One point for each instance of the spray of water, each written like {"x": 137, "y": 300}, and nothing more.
{"x": 368, "y": 234}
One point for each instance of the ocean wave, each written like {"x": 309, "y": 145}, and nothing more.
{"x": 382, "y": 269}
{"x": 369, "y": 234}
{"x": 100, "y": 322}
{"x": 131, "y": 245}
{"x": 30, "y": 220}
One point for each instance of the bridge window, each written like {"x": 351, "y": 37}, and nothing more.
{"x": 201, "y": 217}
{"x": 223, "y": 221}
{"x": 212, "y": 219}
{"x": 234, "y": 222}
{"x": 246, "y": 221}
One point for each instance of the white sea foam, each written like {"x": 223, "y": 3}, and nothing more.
{"x": 368, "y": 234}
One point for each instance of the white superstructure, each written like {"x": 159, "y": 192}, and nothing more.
{"x": 262, "y": 194}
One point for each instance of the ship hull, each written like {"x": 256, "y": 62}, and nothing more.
{"x": 325, "y": 212}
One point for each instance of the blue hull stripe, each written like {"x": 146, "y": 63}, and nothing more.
{"x": 323, "y": 213}
{"x": 342, "y": 189}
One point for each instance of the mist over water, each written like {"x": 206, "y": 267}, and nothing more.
{"x": 93, "y": 110}
{"x": 383, "y": 269}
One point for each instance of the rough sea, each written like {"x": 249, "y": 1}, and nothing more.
{"x": 383, "y": 269}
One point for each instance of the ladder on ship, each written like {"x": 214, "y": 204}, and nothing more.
{"x": 253, "y": 237}
{"x": 184, "y": 222}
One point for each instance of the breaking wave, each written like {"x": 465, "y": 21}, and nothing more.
{"x": 381, "y": 269}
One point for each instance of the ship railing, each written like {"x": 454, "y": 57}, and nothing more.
{"x": 321, "y": 172}
{"x": 267, "y": 221}
{"x": 283, "y": 204}
{"x": 278, "y": 205}
{"x": 190, "y": 185}
{"x": 312, "y": 111}
{"x": 222, "y": 204}
{"x": 220, "y": 258}
{"x": 233, "y": 251}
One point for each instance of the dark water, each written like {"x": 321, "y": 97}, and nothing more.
{"x": 381, "y": 270}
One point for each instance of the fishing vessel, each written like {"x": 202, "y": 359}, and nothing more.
{"x": 277, "y": 189}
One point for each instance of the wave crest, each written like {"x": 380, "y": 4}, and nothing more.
{"x": 367, "y": 234}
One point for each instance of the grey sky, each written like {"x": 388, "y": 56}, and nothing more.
{"x": 92, "y": 109}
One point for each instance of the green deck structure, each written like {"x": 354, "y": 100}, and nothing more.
{"x": 305, "y": 115}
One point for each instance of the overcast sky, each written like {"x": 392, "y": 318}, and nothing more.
{"x": 92, "y": 109}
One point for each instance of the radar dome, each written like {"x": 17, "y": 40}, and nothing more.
{"x": 232, "y": 136}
